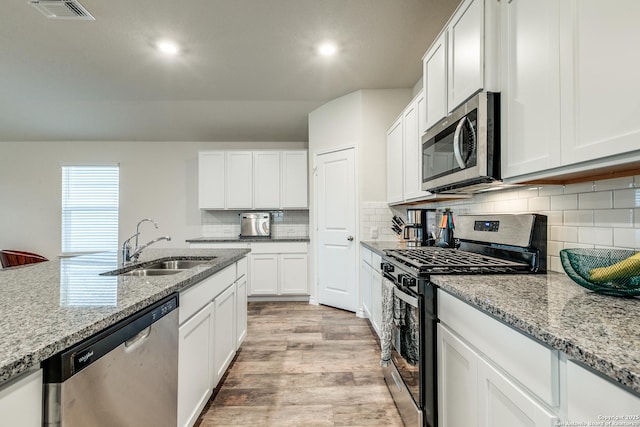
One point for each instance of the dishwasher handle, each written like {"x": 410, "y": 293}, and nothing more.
{"x": 130, "y": 345}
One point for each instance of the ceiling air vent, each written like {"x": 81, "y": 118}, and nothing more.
{"x": 62, "y": 9}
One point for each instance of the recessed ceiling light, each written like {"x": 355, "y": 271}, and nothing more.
{"x": 327, "y": 49}
{"x": 168, "y": 47}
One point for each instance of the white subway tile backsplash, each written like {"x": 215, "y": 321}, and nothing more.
{"x": 625, "y": 238}
{"x": 518, "y": 205}
{"x": 629, "y": 198}
{"x": 502, "y": 206}
{"x": 550, "y": 190}
{"x": 553, "y": 248}
{"x": 617, "y": 218}
{"x": 578, "y": 218}
{"x": 538, "y": 204}
{"x": 564, "y": 202}
{"x": 595, "y": 236}
{"x": 614, "y": 184}
{"x": 583, "y": 187}
{"x": 564, "y": 234}
{"x": 598, "y": 200}
{"x": 553, "y": 217}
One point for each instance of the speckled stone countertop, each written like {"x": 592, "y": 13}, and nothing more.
{"x": 53, "y": 305}
{"x": 380, "y": 246}
{"x": 599, "y": 331}
{"x": 239, "y": 239}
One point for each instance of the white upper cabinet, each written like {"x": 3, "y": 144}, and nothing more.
{"x": 239, "y": 179}
{"x": 531, "y": 86}
{"x": 211, "y": 179}
{"x": 266, "y": 179}
{"x": 253, "y": 179}
{"x": 435, "y": 81}
{"x": 463, "y": 60}
{"x": 394, "y": 162}
{"x": 465, "y": 37}
{"x": 599, "y": 81}
{"x": 570, "y": 88}
{"x": 294, "y": 179}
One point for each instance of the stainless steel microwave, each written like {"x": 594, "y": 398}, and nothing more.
{"x": 461, "y": 153}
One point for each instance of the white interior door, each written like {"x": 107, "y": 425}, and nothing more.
{"x": 336, "y": 213}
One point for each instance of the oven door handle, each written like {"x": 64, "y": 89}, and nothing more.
{"x": 412, "y": 301}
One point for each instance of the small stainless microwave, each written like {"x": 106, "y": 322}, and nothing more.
{"x": 461, "y": 153}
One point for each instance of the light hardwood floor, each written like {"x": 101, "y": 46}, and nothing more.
{"x": 303, "y": 365}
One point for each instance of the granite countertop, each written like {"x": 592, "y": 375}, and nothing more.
{"x": 379, "y": 246}
{"x": 238, "y": 239}
{"x": 599, "y": 331}
{"x": 53, "y": 305}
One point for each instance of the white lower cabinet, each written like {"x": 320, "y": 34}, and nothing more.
{"x": 371, "y": 287}
{"x": 195, "y": 371}
{"x": 21, "y": 400}
{"x": 225, "y": 340}
{"x": 489, "y": 374}
{"x": 278, "y": 269}
{"x": 591, "y": 399}
{"x": 212, "y": 325}
{"x": 474, "y": 393}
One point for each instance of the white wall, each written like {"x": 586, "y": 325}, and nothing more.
{"x": 158, "y": 180}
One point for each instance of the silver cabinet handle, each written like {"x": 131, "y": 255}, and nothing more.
{"x": 350, "y": 238}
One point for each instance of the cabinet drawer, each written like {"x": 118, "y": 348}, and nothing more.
{"x": 241, "y": 268}
{"x": 376, "y": 260}
{"x": 532, "y": 364}
{"x": 197, "y": 296}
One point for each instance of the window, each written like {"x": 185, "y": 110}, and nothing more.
{"x": 89, "y": 208}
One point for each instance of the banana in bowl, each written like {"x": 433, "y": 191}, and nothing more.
{"x": 607, "y": 271}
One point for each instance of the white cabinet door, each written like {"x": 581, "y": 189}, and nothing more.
{"x": 21, "y": 401}
{"x": 225, "y": 338}
{"x": 293, "y": 274}
{"x": 502, "y": 403}
{"x": 365, "y": 288}
{"x": 195, "y": 365}
{"x": 457, "y": 381}
{"x": 435, "y": 81}
{"x": 239, "y": 181}
{"x": 590, "y": 397}
{"x": 263, "y": 273}
{"x": 599, "y": 80}
{"x": 211, "y": 179}
{"x": 421, "y": 106}
{"x": 465, "y": 71}
{"x": 394, "y": 162}
{"x": 376, "y": 300}
{"x": 241, "y": 311}
{"x": 412, "y": 149}
{"x": 530, "y": 87}
{"x": 266, "y": 179}
{"x": 294, "y": 180}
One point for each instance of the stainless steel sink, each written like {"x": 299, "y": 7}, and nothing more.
{"x": 177, "y": 264}
{"x": 162, "y": 268}
{"x": 150, "y": 272}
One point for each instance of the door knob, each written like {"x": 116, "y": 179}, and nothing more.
{"x": 350, "y": 238}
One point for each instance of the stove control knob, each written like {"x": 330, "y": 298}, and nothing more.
{"x": 408, "y": 281}
{"x": 387, "y": 268}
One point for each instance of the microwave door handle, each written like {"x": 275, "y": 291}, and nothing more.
{"x": 457, "y": 143}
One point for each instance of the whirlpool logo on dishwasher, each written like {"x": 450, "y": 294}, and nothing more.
{"x": 82, "y": 359}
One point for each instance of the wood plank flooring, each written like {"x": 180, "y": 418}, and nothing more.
{"x": 303, "y": 365}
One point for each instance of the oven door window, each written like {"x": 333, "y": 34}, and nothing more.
{"x": 405, "y": 353}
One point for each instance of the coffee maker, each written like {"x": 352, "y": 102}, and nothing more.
{"x": 420, "y": 228}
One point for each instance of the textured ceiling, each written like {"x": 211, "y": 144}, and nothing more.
{"x": 248, "y": 72}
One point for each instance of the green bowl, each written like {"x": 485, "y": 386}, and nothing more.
{"x": 578, "y": 263}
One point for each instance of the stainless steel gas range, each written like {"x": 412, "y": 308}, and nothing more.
{"x": 487, "y": 244}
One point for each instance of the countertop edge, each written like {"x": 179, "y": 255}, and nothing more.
{"x": 248, "y": 240}
{"x": 13, "y": 368}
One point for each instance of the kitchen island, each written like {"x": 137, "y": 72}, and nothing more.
{"x": 53, "y": 305}
{"x": 598, "y": 331}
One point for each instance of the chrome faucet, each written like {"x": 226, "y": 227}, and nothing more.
{"x": 136, "y": 253}
{"x": 128, "y": 256}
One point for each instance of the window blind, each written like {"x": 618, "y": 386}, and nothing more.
{"x": 90, "y": 208}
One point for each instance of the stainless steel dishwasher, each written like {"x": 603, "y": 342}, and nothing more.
{"x": 124, "y": 376}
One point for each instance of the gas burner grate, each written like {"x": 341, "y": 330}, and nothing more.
{"x": 449, "y": 261}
